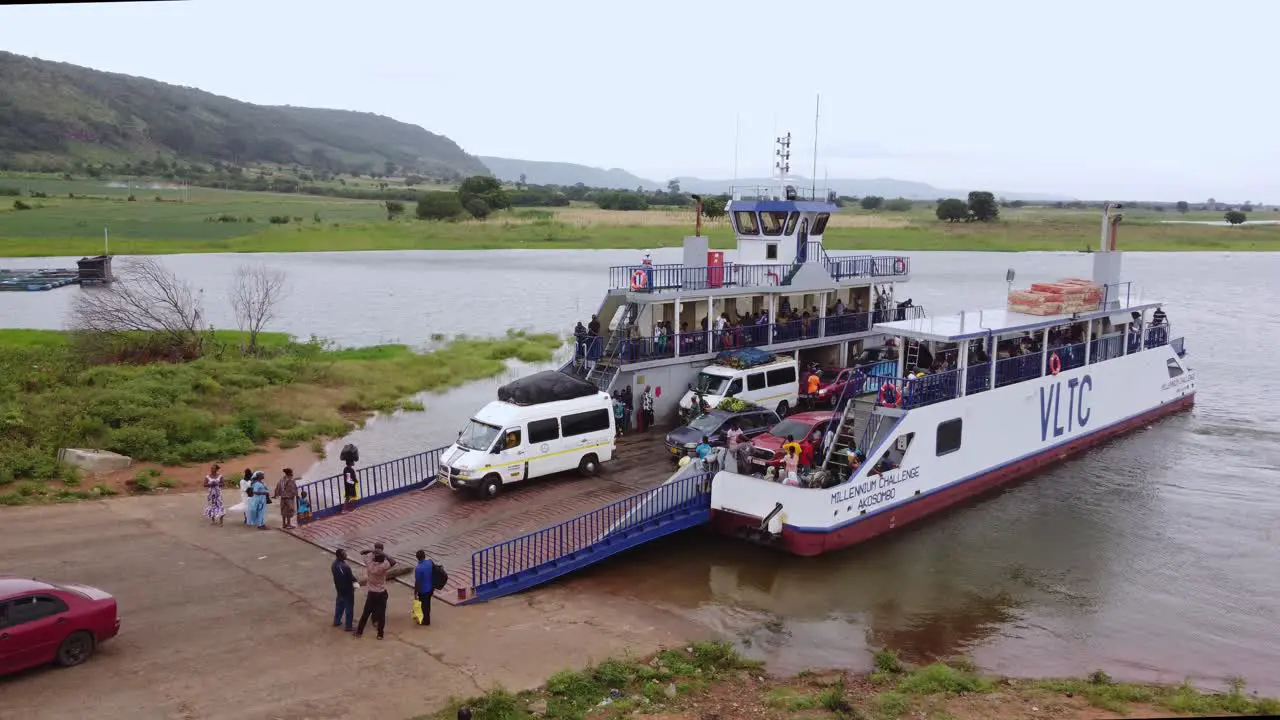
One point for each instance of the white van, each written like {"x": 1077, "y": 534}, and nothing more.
{"x": 507, "y": 443}
{"x": 775, "y": 385}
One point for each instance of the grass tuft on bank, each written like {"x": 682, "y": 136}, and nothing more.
{"x": 220, "y": 406}
{"x": 712, "y": 680}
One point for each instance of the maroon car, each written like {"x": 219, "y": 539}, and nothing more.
{"x": 831, "y": 382}
{"x": 43, "y": 622}
{"x": 766, "y": 449}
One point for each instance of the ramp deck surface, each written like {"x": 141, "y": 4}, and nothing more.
{"x": 451, "y": 526}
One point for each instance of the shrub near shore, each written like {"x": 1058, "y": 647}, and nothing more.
{"x": 219, "y": 406}
{"x": 710, "y": 680}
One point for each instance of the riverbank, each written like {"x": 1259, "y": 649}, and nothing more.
{"x": 271, "y": 408}
{"x": 229, "y": 221}
{"x": 710, "y": 679}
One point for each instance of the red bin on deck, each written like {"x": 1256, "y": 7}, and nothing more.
{"x": 715, "y": 268}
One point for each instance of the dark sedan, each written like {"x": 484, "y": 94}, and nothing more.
{"x": 715, "y": 426}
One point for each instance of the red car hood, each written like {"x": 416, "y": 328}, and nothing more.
{"x": 768, "y": 442}
{"x": 92, "y": 593}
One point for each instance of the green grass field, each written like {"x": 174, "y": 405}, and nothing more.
{"x": 60, "y": 225}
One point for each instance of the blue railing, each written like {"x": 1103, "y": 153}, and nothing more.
{"x": 506, "y": 561}
{"x": 1106, "y": 348}
{"x": 1069, "y": 356}
{"x": 977, "y": 378}
{"x": 921, "y": 391}
{"x": 656, "y": 278}
{"x": 1156, "y": 336}
{"x": 868, "y": 266}
{"x": 1018, "y": 369}
{"x": 375, "y": 481}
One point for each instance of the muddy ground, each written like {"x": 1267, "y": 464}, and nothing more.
{"x": 229, "y": 622}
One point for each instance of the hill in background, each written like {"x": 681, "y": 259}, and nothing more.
{"x": 55, "y": 114}
{"x": 537, "y": 172}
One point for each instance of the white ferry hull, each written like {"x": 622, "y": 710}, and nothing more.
{"x": 1008, "y": 434}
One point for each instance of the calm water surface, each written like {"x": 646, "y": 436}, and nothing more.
{"x": 1154, "y": 557}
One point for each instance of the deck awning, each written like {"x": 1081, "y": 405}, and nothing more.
{"x": 997, "y": 321}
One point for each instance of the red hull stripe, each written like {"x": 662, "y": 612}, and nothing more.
{"x": 813, "y": 541}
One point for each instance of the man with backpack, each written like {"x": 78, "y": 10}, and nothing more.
{"x": 427, "y": 578}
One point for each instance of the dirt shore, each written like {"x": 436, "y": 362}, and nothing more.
{"x": 271, "y": 459}
{"x": 228, "y": 622}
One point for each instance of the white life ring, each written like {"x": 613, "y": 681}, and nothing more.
{"x": 899, "y": 266}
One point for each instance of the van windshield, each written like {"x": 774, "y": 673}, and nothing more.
{"x": 709, "y": 384}
{"x": 478, "y": 436}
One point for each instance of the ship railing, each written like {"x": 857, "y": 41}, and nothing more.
{"x": 857, "y": 266}
{"x": 659, "y": 347}
{"x": 779, "y": 192}
{"x": 1155, "y": 336}
{"x": 661, "y": 278}
{"x": 917, "y": 392}
{"x": 1070, "y": 356}
{"x": 1106, "y": 347}
{"x": 977, "y": 378}
{"x": 1019, "y": 369}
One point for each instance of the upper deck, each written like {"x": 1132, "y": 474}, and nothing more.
{"x": 840, "y": 271}
{"x": 1119, "y": 303}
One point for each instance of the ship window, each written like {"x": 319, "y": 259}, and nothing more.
{"x": 949, "y": 436}
{"x": 772, "y": 222}
{"x": 820, "y": 224}
{"x": 771, "y": 251}
{"x": 746, "y": 222}
{"x": 541, "y": 431}
{"x": 792, "y": 219}
{"x": 1174, "y": 368}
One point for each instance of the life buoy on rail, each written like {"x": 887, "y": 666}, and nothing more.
{"x": 639, "y": 280}
{"x": 774, "y": 276}
{"x": 899, "y": 266}
{"x": 890, "y": 396}
{"x": 1055, "y": 365}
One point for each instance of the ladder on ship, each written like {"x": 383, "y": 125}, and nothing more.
{"x": 913, "y": 356}
{"x": 836, "y": 461}
{"x": 606, "y": 368}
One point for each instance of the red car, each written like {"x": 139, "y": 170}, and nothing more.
{"x": 766, "y": 449}
{"x": 41, "y": 622}
{"x": 831, "y": 382}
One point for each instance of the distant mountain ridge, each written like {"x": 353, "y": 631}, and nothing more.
{"x": 54, "y": 111}
{"x": 556, "y": 173}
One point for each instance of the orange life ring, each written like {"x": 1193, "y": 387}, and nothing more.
{"x": 893, "y": 393}
{"x": 639, "y": 279}
{"x": 776, "y": 280}
{"x": 1055, "y": 365}
{"x": 899, "y": 266}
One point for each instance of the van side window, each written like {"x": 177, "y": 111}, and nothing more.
{"x": 755, "y": 381}
{"x": 949, "y": 433}
{"x": 511, "y": 438}
{"x": 584, "y": 422}
{"x": 735, "y": 387}
{"x": 782, "y": 376}
{"x": 541, "y": 431}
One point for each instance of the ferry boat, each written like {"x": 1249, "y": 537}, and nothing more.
{"x": 974, "y": 401}
{"x": 781, "y": 292}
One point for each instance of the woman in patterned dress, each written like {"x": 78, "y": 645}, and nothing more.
{"x": 213, "y": 500}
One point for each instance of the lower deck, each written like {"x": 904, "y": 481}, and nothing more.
{"x": 451, "y": 526}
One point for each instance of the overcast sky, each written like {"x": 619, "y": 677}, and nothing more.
{"x": 1160, "y": 99}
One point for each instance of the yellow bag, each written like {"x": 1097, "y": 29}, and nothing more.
{"x": 417, "y": 611}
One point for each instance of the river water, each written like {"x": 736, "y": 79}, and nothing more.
{"x": 1154, "y": 557}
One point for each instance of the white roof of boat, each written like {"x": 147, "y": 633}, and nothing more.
{"x": 1000, "y": 321}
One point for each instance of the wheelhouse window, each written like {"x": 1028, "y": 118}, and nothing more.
{"x": 820, "y": 224}
{"x": 792, "y": 219}
{"x": 771, "y": 251}
{"x": 772, "y": 222}
{"x": 746, "y": 222}
{"x": 949, "y": 433}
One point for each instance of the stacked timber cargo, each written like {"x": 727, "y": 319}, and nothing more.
{"x": 1064, "y": 297}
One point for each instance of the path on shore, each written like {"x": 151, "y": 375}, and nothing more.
{"x": 228, "y": 622}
